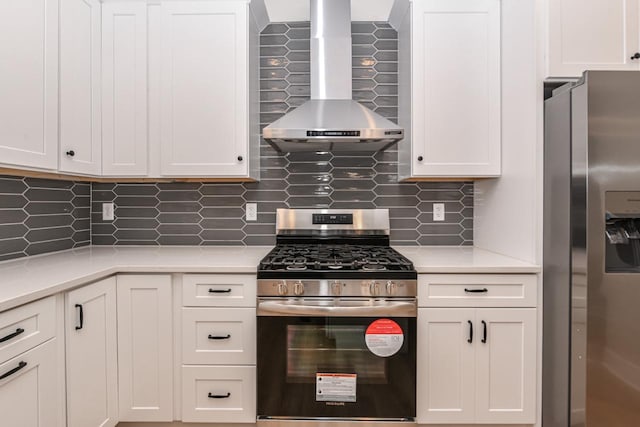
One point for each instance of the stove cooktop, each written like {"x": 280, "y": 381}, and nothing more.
{"x": 326, "y": 261}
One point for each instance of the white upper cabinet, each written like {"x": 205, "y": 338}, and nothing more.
{"x": 592, "y": 35}
{"x": 80, "y": 139}
{"x": 124, "y": 89}
{"x": 29, "y": 83}
{"x": 205, "y": 88}
{"x": 450, "y": 54}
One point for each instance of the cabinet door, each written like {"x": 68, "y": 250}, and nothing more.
{"x": 446, "y": 389}
{"x": 80, "y": 145}
{"x": 204, "y": 130}
{"x": 145, "y": 348}
{"x": 29, "y": 83}
{"x": 29, "y": 391}
{"x": 506, "y": 366}
{"x": 592, "y": 35}
{"x": 124, "y": 88}
{"x": 456, "y": 88}
{"x": 92, "y": 382}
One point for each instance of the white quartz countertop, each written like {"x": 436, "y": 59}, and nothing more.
{"x": 27, "y": 279}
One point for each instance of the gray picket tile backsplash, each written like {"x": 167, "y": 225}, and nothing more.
{"x": 39, "y": 216}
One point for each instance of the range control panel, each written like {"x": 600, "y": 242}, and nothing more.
{"x": 332, "y": 218}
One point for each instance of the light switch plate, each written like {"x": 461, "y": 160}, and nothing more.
{"x": 252, "y": 212}
{"x": 438, "y": 211}
{"x": 107, "y": 212}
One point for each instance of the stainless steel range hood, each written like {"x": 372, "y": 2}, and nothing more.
{"x": 331, "y": 120}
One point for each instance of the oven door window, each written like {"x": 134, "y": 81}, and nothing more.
{"x": 294, "y": 353}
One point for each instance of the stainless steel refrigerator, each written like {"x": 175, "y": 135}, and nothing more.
{"x": 591, "y": 353}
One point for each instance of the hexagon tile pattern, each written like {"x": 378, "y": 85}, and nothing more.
{"x": 39, "y": 216}
{"x": 213, "y": 214}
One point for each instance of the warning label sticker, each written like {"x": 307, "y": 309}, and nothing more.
{"x": 384, "y": 337}
{"x": 335, "y": 387}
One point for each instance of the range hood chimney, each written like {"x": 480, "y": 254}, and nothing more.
{"x": 331, "y": 120}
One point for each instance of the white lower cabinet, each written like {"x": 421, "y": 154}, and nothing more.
{"x": 145, "y": 348}
{"x": 476, "y": 365}
{"x": 219, "y": 348}
{"x": 219, "y": 394}
{"x": 446, "y": 366}
{"x": 29, "y": 388}
{"x": 506, "y": 366}
{"x": 91, "y": 353}
{"x": 219, "y": 336}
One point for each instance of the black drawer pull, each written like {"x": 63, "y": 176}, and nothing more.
{"x": 13, "y": 371}
{"x": 219, "y": 396}
{"x": 470, "y": 340}
{"x": 13, "y": 335}
{"x": 219, "y": 291}
{"x": 484, "y": 334}
{"x": 81, "y": 317}
{"x": 476, "y": 291}
{"x": 219, "y": 337}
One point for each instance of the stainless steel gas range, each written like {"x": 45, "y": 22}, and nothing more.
{"x": 336, "y": 322}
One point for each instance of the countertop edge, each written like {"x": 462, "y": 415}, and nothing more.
{"x": 17, "y": 298}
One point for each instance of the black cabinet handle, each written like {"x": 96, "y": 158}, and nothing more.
{"x": 219, "y": 337}
{"x": 470, "y": 340}
{"x": 219, "y": 291}
{"x": 484, "y": 333}
{"x": 219, "y": 396}
{"x": 70, "y": 153}
{"x": 635, "y": 56}
{"x": 81, "y": 317}
{"x": 13, "y": 371}
{"x": 240, "y": 158}
{"x": 476, "y": 291}
{"x": 13, "y": 335}
{"x": 420, "y": 158}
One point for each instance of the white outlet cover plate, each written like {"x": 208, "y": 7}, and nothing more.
{"x": 252, "y": 212}
{"x": 107, "y": 212}
{"x": 438, "y": 211}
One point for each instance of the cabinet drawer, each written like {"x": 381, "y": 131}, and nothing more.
{"x": 219, "y": 336}
{"x": 30, "y": 390}
{"x": 219, "y": 394}
{"x": 477, "y": 290}
{"x": 219, "y": 290}
{"x": 25, "y": 327}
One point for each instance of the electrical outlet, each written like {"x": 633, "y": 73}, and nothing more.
{"x": 107, "y": 212}
{"x": 438, "y": 211}
{"x": 252, "y": 212}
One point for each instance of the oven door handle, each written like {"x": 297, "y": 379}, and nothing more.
{"x": 366, "y": 309}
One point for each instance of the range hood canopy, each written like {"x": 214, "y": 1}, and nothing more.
{"x": 331, "y": 120}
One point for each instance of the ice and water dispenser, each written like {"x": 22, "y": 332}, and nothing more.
{"x": 622, "y": 231}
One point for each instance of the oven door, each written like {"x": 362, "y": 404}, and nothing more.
{"x": 334, "y": 358}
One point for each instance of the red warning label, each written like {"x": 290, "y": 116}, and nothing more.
{"x": 384, "y": 337}
{"x": 384, "y": 326}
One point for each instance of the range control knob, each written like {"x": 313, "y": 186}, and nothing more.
{"x": 298, "y": 288}
{"x": 374, "y": 289}
{"x": 336, "y": 288}
{"x": 282, "y": 288}
{"x": 392, "y": 288}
